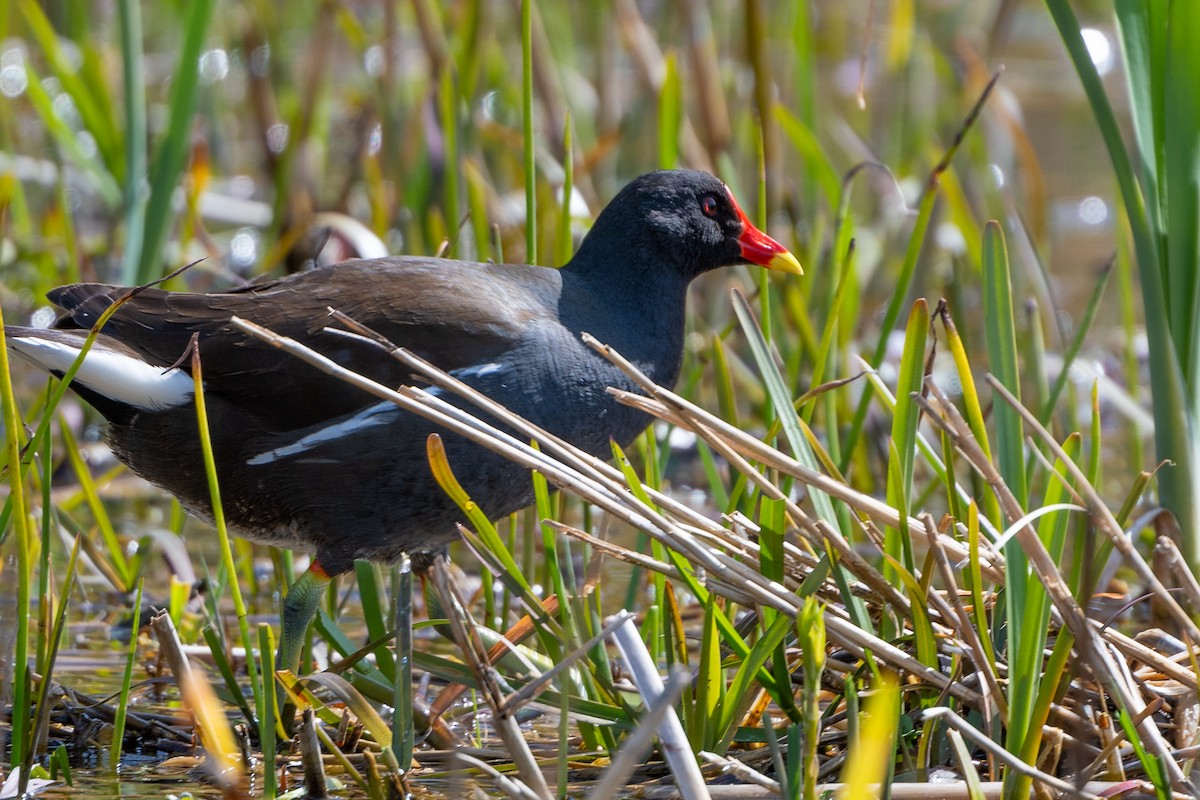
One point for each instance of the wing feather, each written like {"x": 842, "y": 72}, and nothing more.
{"x": 454, "y": 314}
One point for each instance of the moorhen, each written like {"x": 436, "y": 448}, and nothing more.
{"x": 307, "y": 461}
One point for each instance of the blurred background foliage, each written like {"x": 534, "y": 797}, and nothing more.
{"x": 401, "y": 114}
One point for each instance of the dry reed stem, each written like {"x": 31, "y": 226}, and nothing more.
{"x": 966, "y": 627}
{"x": 1013, "y": 761}
{"x": 1166, "y": 547}
{"x": 670, "y": 404}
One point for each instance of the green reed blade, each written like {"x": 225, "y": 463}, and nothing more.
{"x": 527, "y": 131}
{"x": 171, "y": 154}
{"x": 118, "y": 734}
{"x": 226, "y": 548}
{"x": 134, "y": 82}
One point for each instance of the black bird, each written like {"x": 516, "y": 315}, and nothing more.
{"x": 308, "y": 462}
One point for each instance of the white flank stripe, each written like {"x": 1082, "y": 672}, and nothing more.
{"x": 369, "y": 417}
{"x": 480, "y": 370}
{"x": 115, "y": 375}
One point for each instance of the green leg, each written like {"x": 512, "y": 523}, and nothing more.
{"x": 299, "y": 608}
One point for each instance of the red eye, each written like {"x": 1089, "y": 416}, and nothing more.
{"x": 708, "y": 204}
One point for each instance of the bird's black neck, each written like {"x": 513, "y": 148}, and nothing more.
{"x": 648, "y": 307}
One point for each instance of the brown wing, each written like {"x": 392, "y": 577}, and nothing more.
{"x": 452, "y": 313}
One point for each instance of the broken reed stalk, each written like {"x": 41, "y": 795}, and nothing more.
{"x": 222, "y": 759}
{"x": 659, "y": 700}
{"x": 310, "y": 756}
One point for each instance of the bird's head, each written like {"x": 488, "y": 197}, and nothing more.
{"x": 685, "y": 218}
